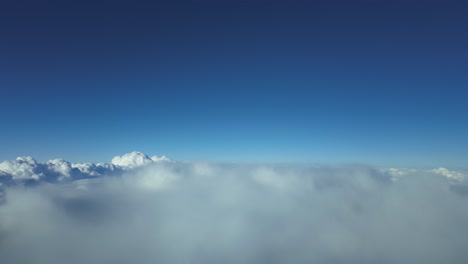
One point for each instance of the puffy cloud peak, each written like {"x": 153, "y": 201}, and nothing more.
{"x": 136, "y": 159}
{"x": 132, "y": 159}
{"x": 25, "y": 169}
{"x": 21, "y": 168}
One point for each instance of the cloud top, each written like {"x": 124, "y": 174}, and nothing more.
{"x": 27, "y": 169}
{"x": 184, "y": 212}
{"x": 133, "y": 159}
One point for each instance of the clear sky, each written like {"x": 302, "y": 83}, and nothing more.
{"x": 376, "y": 82}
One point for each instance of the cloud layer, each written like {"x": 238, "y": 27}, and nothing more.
{"x": 28, "y": 170}
{"x": 153, "y": 211}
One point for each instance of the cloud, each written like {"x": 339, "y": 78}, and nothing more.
{"x": 28, "y": 170}
{"x": 179, "y": 212}
{"x": 452, "y": 175}
{"x": 21, "y": 168}
{"x": 136, "y": 159}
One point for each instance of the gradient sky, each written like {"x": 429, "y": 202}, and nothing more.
{"x": 376, "y": 82}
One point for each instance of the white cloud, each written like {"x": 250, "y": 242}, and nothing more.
{"x": 177, "y": 212}
{"x": 452, "y": 175}
{"x": 21, "y": 168}
{"x": 25, "y": 169}
{"x": 96, "y": 169}
{"x": 160, "y": 159}
{"x": 136, "y": 159}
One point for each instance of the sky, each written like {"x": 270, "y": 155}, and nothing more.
{"x": 376, "y": 82}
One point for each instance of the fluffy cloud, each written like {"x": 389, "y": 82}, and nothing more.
{"x": 137, "y": 159}
{"x": 176, "y": 212}
{"x": 28, "y": 170}
{"x": 21, "y": 168}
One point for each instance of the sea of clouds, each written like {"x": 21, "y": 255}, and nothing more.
{"x": 140, "y": 209}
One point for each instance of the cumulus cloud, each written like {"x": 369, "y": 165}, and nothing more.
{"x": 21, "y": 168}
{"x": 179, "y": 212}
{"x": 28, "y": 170}
{"x": 137, "y": 159}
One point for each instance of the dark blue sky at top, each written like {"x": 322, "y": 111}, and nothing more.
{"x": 378, "y": 82}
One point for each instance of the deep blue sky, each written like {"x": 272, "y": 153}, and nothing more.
{"x": 378, "y": 82}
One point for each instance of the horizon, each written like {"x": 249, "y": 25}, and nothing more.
{"x": 234, "y": 162}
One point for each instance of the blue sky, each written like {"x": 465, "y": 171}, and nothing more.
{"x": 376, "y": 82}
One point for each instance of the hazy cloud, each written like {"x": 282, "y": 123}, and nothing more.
{"x": 176, "y": 212}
